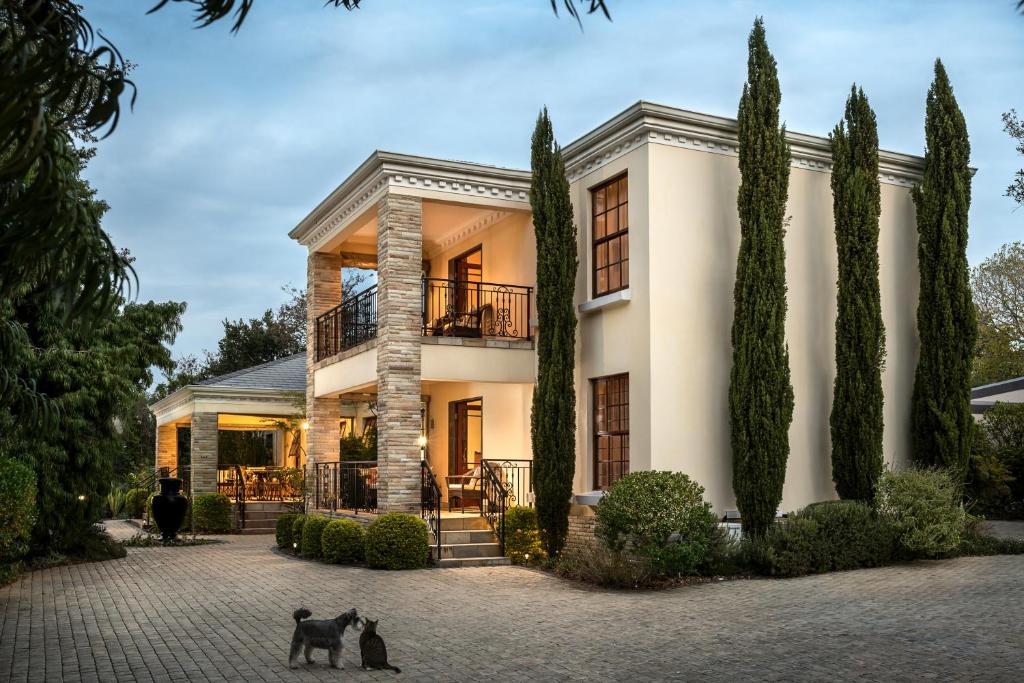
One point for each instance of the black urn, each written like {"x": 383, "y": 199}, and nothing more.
{"x": 169, "y": 507}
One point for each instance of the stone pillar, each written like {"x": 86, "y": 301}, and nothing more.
{"x": 204, "y": 453}
{"x": 399, "y": 322}
{"x": 167, "y": 446}
{"x": 323, "y": 292}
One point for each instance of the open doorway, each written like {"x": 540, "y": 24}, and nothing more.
{"x": 465, "y": 434}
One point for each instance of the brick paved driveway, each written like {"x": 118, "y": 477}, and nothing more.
{"x": 222, "y": 612}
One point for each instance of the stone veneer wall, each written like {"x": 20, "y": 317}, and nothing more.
{"x": 582, "y": 521}
{"x": 399, "y": 321}
{"x": 204, "y": 453}
{"x": 167, "y": 446}
{"x": 323, "y": 292}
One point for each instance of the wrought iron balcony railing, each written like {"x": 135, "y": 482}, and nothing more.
{"x": 456, "y": 308}
{"x": 451, "y": 308}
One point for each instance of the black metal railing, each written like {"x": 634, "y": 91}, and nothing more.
{"x": 348, "y": 324}
{"x": 346, "y": 485}
{"x": 516, "y": 476}
{"x": 152, "y": 481}
{"x": 430, "y": 504}
{"x": 493, "y": 501}
{"x": 456, "y": 308}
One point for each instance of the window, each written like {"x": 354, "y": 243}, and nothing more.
{"x": 246, "y": 447}
{"x": 611, "y": 429}
{"x": 611, "y": 236}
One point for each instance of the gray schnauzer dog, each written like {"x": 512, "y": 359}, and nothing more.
{"x": 320, "y": 633}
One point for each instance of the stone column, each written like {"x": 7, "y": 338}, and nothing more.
{"x": 167, "y": 446}
{"x": 204, "y": 453}
{"x": 399, "y": 321}
{"x": 323, "y": 292}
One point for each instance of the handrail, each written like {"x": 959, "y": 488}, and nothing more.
{"x": 463, "y": 308}
{"x": 430, "y": 503}
{"x": 494, "y": 501}
{"x": 348, "y": 324}
{"x": 345, "y": 484}
{"x": 240, "y": 495}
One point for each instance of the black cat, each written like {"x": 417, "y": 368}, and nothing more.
{"x": 372, "y": 649}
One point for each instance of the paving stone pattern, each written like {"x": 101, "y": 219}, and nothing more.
{"x": 223, "y": 613}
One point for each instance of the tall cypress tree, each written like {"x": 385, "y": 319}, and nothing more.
{"x": 760, "y": 393}
{"x": 941, "y": 408}
{"x": 857, "y": 420}
{"x": 553, "y": 419}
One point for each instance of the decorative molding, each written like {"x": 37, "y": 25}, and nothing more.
{"x": 468, "y": 229}
{"x": 646, "y": 123}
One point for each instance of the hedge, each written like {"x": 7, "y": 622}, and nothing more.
{"x": 283, "y": 530}
{"x": 522, "y": 537}
{"x": 17, "y": 512}
{"x": 343, "y": 542}
{"x": 312, "y": 531}
{"x": 397, "y": 541}
{"x": 211, "y": 512}
{"x": 300, "y": 521}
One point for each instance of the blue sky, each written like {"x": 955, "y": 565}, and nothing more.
{"x": 235, "y": 137}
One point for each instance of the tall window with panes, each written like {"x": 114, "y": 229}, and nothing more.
{"x": 610, "y": 221}
{"x": 611, "y": 429}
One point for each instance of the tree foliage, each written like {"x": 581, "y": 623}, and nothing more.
{"x": 553, "y": 417}
{"x": 1015, "y": 129}
{"x": 941, "y": 421}
{"x": 760, "y": 392}
{"x": 207, "y": 12}
{"x": 856, "y": 420}
{"x": 997, "y": 286}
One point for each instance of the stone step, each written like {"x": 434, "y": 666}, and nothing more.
{"x": 249, "y": 531}
{"x": 467, "y": 550}
{"x": 463, "y": 523}
{"x": 261, "y": 514}
{"x": 467, "y": 536}
{"x": 458, "y": 562}
{"x": 266, "y": 507}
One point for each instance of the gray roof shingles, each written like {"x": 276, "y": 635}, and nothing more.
{"x": 286, "y": 374}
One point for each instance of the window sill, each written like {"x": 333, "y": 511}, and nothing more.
{"x": 606, "y": 301}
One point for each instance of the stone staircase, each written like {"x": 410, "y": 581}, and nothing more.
{"x": 468, "y": 542}
{"x": 260, "y": 517}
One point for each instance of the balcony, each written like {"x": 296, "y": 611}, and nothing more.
{"x": 451, "y": 308}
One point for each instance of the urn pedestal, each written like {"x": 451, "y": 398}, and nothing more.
{"x": 169, "y": 507}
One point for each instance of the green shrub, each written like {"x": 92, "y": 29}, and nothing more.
{"x": 522, "y": 537}
{"x": 595, "y": 563}
{"x": 312, "y": 531}
{"x": 283, "y": 530}
{"x": 135, "y": 503}
{"x": 115, "y": 502}
{"x": 211, "y": 512}
{"x": 17, "y": 512}
{"x": 343, "y": 542}
{"x": 724, "y": 556}
{"x": 300, "y": 521}
{"x": 923, "y": 506}
{"x": 790, "y": 547}
{"x": 976, "y": 542}
{"x": 661, "y": 516}
{"x": 987, "y": 488}
{"x": 397, "y": 541}
{"x": 851, "y": 534}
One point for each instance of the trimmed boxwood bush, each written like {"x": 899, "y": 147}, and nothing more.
{"x": 211, "y": 512}
{"x": 522, "y": 538}
{"x": 17, "y": 512}
{"x": 343, "y": 541}
{"x": 312, "y": 531}
{"x": 824, "y": 537}
{"x": 397, "y": 541}
{"x": 300, "y": 521}
{"x": 660, "y": 516}
{"x": 923, "y": 505}
{"x": 283, "y": 530}
{"x": 135, "y": 503}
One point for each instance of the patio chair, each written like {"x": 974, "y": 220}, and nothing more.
{"x": 465, "y": 487}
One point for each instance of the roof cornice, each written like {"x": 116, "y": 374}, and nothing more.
{"x": 389, "y": 169}
{"x": 194, "y": 392}
{"x": 646, "y": 122}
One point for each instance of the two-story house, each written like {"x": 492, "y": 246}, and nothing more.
{"x": 443, "y": 343}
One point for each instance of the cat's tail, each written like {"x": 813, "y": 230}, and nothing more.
{"x": 300, "y": 614}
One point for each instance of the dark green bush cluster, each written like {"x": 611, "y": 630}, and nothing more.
{"x": 283, "y": 530}
{"x": 312, "y": 531}
{"x": 994, "y": 485}
{"x": 135, "y": 503}
{"x": 397, "y": 541}
{"x": 824, "y": 537}
{"x": 300, "y": 521}
{"x": 343, "y": 542}
{"x": 17, "y": 514}
{"x": 659, "y": 516}
{"x": 595, "y": 563}
{"x": 923, "y": 507}
{"x": 211, "y": 513}
{"x": 522, "y": 537}
{"x": 976, "y": 542}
